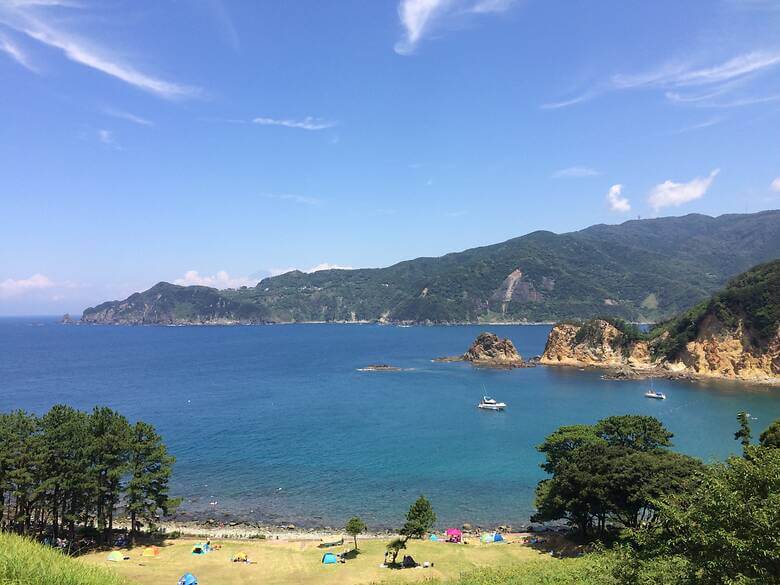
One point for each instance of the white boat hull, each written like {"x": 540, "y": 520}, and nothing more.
{"x": 499, "y": 406}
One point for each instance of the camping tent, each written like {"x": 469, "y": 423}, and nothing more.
{"x": 491, "y": 537}
{"x": 115, "y": 556}
{"x": 434, "y": 538}
{"x": 200, "y": 549}
{"x": 240, "y": 557}
{"x": 454, "y": 535}
{"x": 151, "y": 551}
{"x": 329, "y": 559}
{"x": 188, "y": 579}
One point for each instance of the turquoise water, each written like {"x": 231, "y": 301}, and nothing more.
{"x": 276, "y": 424}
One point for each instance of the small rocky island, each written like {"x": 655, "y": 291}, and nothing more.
{"x": 491, "y": 351}
{"x": 734, "y": 335}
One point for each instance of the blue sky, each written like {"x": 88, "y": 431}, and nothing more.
{"x": 214, "y": 142}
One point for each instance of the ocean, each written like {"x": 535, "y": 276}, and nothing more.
{"x": 276, "y": 424}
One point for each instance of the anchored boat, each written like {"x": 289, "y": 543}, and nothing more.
{"x": 488, "y": 403}
{"x": 653, "y": 393}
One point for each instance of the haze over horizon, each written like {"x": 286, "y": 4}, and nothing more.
{"x": 219, "y": 142}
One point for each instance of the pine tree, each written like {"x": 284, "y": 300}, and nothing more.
{"x": 149, "y": 468}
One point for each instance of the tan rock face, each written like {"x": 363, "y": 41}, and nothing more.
{"x": 597, "y": 343}
{"x": 721, "y": 353}
{"x": 717, "y": 352}
{"x": 490, "y": 350}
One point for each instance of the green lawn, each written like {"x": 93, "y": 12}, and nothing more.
{"x": 283, "y": 562}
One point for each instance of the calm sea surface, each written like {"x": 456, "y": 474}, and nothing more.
{"x": 275, "y": 423}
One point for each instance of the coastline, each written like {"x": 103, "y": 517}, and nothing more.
{"x": 622, "y": 373}
{"x": 244, "y": 530}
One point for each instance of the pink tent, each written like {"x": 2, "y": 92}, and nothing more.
{"x": 453, "y": 535}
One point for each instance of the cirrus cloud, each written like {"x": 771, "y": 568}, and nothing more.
{"x": 419, "y": 17}
{"x": 307, "y": 123}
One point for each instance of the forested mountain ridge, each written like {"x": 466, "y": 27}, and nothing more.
{"x": 641, "y": 270}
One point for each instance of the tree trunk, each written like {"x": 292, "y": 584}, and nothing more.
{"x": 132, "y": 527}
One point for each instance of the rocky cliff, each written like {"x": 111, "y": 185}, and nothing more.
{"x": 734, "y": 335}
{"x": 490, "y": 350}
{"x": 170, "y": 304}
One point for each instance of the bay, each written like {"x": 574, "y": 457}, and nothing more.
{"x": 276, "y": 423}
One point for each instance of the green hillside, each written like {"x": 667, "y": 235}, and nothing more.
{"x": 641, "y": 270}
{"x": 24, "y": 562}
{"x": 752, "y": 299}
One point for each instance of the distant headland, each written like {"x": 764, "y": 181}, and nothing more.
{"x": 640, "y": 271}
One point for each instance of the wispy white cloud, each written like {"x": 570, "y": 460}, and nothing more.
{"x": 775, "y": 185}
{"x": 575, "y": 172}
{"x": 11, "y": 287}
{"x": 715, "y": 79}
{"x": 699, "y": 126}
{"x": 122, "y": 115}
{"x": 706, "y": 102}
{"x": 107, "y": 138}
{"x": 219, "y": 280}
{"x": 420, "y": 17}
{"x": 222, "y": 19}
{"x": 15, "y": 52}
{"x": 31, "y": 18}
{"x": 616, "y": 200}
{"x": 301, "y": 199}
{"x": 307, "y": 123}
{"x": 671, "y": 194}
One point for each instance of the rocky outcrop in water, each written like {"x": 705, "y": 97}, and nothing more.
{"x": 490, "y": 350}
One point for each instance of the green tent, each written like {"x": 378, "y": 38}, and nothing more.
{"x": 115, "y": 556}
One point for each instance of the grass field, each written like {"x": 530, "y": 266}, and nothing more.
{"x": 24, "y": 562}
{"x": 279, "y": 562}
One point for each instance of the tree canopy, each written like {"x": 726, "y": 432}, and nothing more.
{"x": 611, "y": 471}
{"x": 69, "y": 468}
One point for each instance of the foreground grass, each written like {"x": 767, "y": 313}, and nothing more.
{"x": 279, "y": 562}
{"x": 24, "y": 562}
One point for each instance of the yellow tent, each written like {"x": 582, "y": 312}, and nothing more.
{"x": 151, "y": 551}
{"x": 240, "y": 557}
{"x": 115, "y": 556}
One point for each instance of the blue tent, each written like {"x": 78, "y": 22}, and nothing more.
{"x": 434, "y": 538}
{"x": 188, "y": 579}
{"x": 491, "y": 537}
{"x": 329, "y": 559}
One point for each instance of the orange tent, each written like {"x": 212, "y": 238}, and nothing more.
{"x": 151, "y": 551}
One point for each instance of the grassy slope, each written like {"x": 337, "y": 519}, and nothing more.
{"x": 23, "y": 562}
{"x": 281, "y": 562}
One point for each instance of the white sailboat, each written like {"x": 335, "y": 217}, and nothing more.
{"x": 653, "y": 393}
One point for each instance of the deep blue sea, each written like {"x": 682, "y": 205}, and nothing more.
{"x": 276, "y": 423}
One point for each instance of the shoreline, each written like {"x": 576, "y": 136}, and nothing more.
{"x": 399, "y": 324}
{"x": 243, "y": 530}
{"x": 625, "y": 373}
